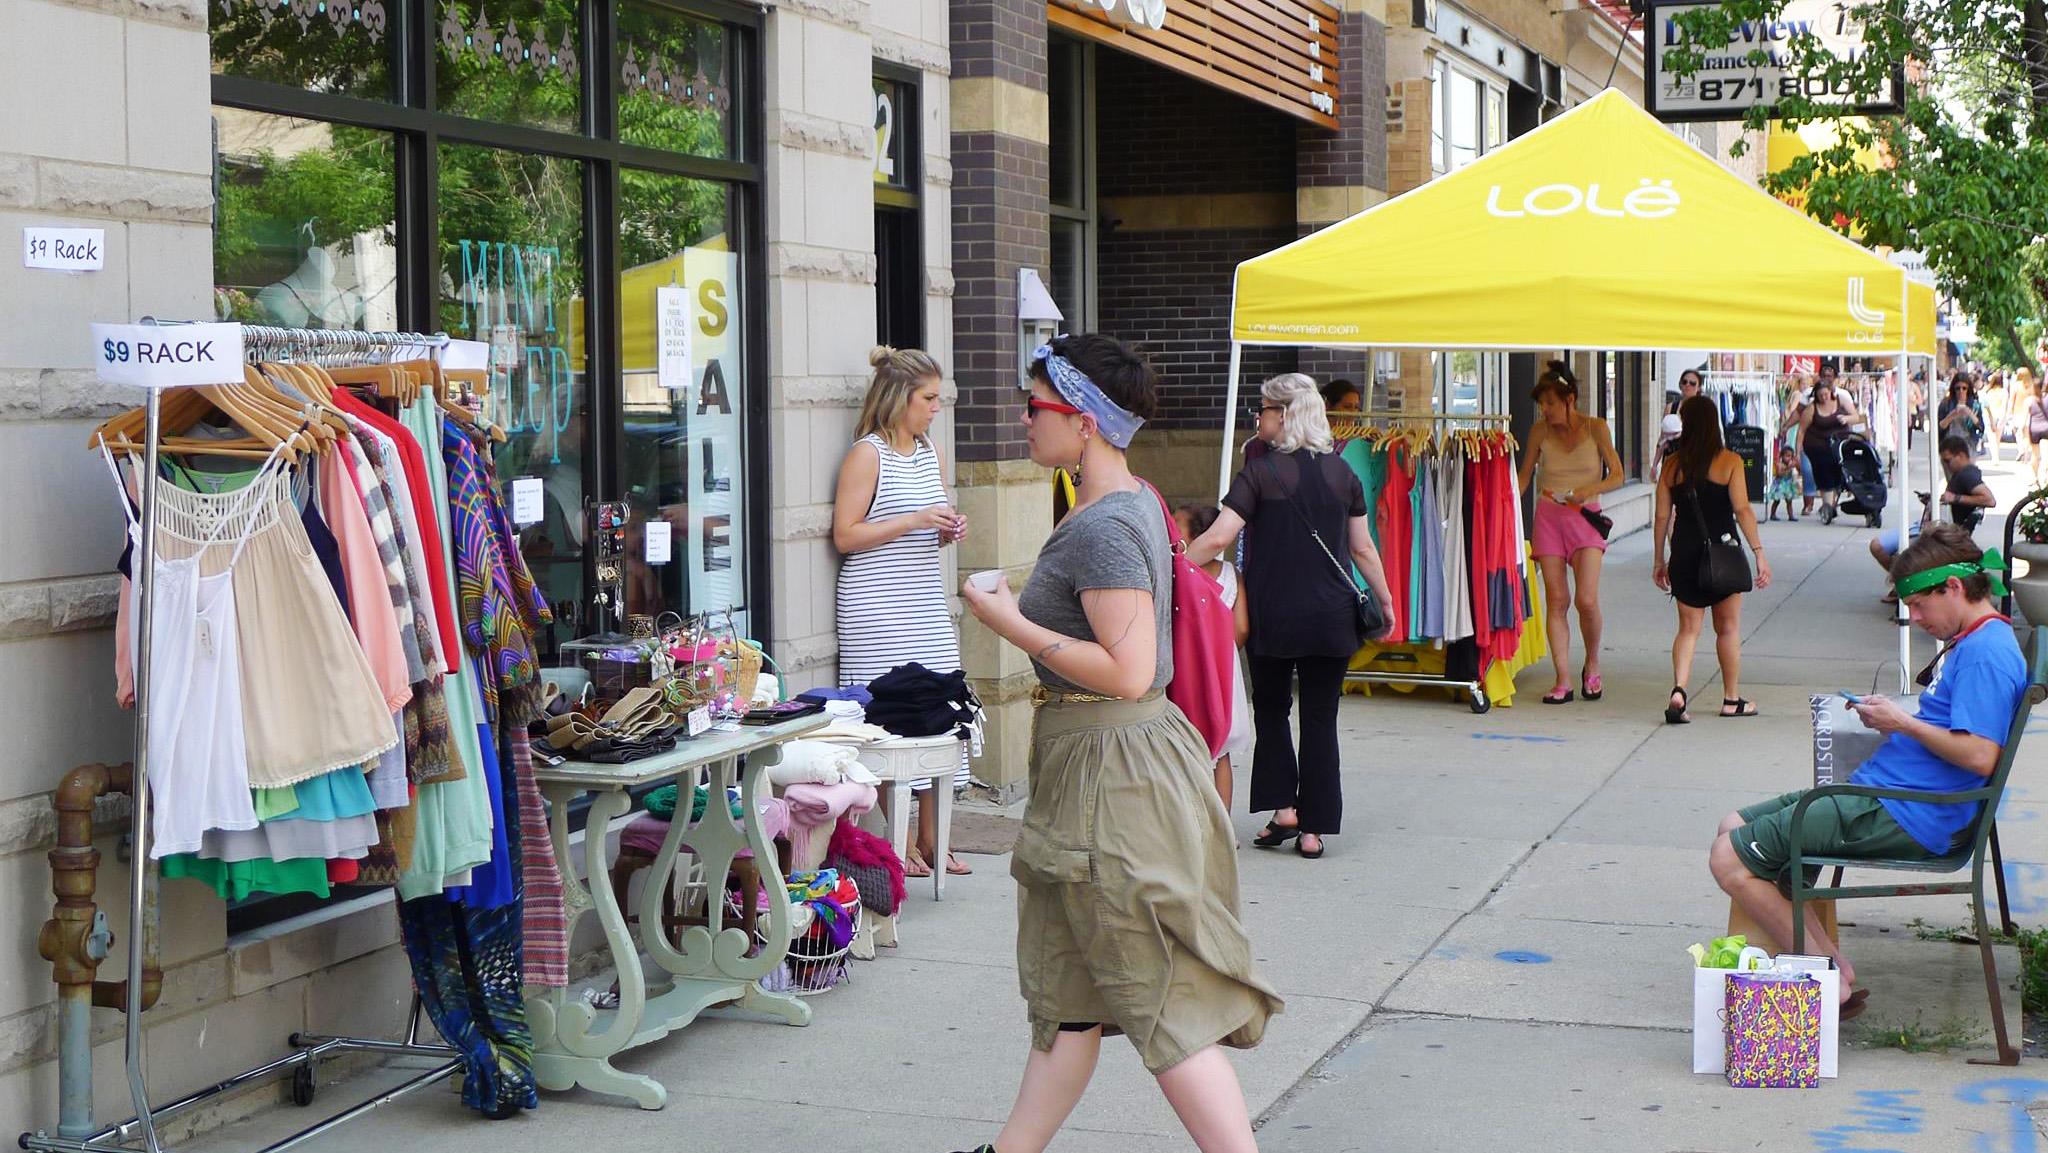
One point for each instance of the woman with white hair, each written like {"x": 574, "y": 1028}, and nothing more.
{"x": 1303, "y": 509}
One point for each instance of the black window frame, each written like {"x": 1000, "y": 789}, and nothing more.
{"x": 900, "y": 321}
{"x": 419, "y": 128}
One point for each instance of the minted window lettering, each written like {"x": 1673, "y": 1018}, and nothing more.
{"x": 1649, "y": 200}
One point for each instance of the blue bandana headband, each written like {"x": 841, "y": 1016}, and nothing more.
{"x": 1118, "y": 426}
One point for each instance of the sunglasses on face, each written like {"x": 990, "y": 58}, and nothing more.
{"x": 1033, "y": 406}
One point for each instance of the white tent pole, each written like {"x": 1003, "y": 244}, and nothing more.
{"x": 1229, "y": 420}
{"x": 1902, "y": 470}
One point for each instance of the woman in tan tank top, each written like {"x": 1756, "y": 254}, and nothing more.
{"x": 1572, "y": 459}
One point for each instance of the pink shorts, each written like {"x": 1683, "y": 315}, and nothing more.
{"x": 1562, "y": 532}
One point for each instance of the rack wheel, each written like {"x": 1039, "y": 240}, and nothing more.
{"x": 304, "y": 1087}
{"x": 1480, "y": 703}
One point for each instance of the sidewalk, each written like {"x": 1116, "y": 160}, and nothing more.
{"x": 1502, "y": 924}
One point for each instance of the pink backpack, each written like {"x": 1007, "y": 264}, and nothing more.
{"x": 1204, "y": 643}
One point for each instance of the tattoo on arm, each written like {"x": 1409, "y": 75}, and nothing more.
{"x": 1050, "y": 649}
{"x": 1110, "y": 646}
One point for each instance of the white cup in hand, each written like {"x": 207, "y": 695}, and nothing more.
{"x": 986, "y": 580}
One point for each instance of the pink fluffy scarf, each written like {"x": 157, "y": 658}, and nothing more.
{"x": 865, "y": 850}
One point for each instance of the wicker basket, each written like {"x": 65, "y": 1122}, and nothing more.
{"x": 745, "y": 662}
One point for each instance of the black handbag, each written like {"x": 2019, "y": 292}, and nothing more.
{"x": 1371, "y": 618}
{"x": 1724, "y": 570}
{"x": 1601, "y": 522}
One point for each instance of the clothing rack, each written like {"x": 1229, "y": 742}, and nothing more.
{"x": 138, "y": 1133}
{"x": 1348, "y": 425}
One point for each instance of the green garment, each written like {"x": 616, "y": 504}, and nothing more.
{"x": 237, "y": 880}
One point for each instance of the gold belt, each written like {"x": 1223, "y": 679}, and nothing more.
{"x": 1041, "y": 695}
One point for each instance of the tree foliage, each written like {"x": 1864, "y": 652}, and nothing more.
{"x": 1962, "y": 177}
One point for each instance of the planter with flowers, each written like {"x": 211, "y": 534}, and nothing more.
{"x": 2030, "y": 544}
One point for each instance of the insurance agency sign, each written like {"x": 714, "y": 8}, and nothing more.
{"x": 1755, "y": 68}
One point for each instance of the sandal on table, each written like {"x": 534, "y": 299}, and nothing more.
{"x": 1742, "y": 707}
{"x": 1276, "y": 835}
{"x": 1677, "y": 716}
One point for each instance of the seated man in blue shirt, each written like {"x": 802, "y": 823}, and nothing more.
{"x": 1951, "y": 746}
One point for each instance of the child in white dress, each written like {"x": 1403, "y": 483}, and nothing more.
{"x": 1194, "y": 521}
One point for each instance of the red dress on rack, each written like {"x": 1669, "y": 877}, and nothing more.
{"x": 1395, "y": 517}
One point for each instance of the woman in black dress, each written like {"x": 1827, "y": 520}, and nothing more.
{"x": 1703, "y": 482}
{"x": 1822, "y": 425}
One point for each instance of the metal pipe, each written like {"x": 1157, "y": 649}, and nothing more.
{"x": 75, "y": 938}
{"x": 429, "y": 1077}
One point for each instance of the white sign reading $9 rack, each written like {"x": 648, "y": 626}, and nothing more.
{"x": 711, "y": 420}
{"x": 1727, "y": 85}
{"x": 167, "y": 355}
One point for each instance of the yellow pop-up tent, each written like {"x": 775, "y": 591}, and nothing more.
{"x": 1599, "y": 230}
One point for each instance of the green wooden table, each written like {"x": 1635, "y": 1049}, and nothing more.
{"x": 573, "y": 1042}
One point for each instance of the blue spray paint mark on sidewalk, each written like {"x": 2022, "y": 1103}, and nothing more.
{"x": 1516, "y": 737}
{"x": 2015, "y": 1093}
{"x": 1878, "y": 1111}
{"x": 1522, "y": 957}
{"x": 2020, "y": 895}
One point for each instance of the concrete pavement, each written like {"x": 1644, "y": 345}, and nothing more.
{"x": 1492, "y": 953}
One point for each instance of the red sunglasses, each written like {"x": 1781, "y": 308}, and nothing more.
{"x": 1035, "y": 405}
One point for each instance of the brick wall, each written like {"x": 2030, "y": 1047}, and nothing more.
{"x": 1164, "y": 285}
{"x": 1357, "y": 152}
{"x": 1163, "y": 134}
{"x": 1169, "y": 292}
{"x": 999, "y": 221}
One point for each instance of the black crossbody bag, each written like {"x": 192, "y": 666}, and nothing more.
{"x": 1371, "y": 619}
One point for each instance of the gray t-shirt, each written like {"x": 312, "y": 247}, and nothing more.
{"x": 1119, "y": 542}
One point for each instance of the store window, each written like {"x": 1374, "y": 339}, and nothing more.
{"x": 1468, "y": 117}
{"x": 1071, "y": 110}
{"x": 341, "y": 49}
{"x": 681, "y": 453}
{"x": 511, "y": 61}
{"x": 511, "y": 229}
{"x": 477, "y": 167}
{"x": 1469, "y": 383}
{"x": 1439, "y": 117}
{"x": 675, "y": 82}
{"x": 305, "y": 224}
{"x": 899, "y": 251}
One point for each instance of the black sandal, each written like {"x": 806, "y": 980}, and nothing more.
{"x": 1553, "y": 698}
{"x": 1307, "y": 853}
{"x": 1677, "y": 716}
{"x": 1742, "y": 707}
{"x": 1276, "y": 835}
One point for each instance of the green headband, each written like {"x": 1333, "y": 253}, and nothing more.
{"x": 1992, "y": 565}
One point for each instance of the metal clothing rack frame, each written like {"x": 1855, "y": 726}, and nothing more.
{"x": 138, "y": 1133}
{"x": 1475, "y": 689}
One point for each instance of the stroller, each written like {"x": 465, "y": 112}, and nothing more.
{"x": 1862, "y": 479}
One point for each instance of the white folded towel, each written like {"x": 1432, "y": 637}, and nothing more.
{"x": 812, "y": 762}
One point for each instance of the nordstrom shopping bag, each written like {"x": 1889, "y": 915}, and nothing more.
{"x": 1732, "y": 956}
{"x": 1774, "y": 1024}
{"x": 1841, "y": 741}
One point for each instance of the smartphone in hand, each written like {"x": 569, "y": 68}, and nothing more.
{"x": 1852, "y": 698}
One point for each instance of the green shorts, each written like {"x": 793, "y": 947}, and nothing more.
{"x": 1840, "y": 826}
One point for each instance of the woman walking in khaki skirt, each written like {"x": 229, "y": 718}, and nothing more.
{"x": 1126, "y": 871}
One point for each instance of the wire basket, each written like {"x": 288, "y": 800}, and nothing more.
{"x": 813, "y": 966}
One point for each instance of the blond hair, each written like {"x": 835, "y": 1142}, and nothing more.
{"x": 1306, "y": 423}
{"x": 898, "y": 372}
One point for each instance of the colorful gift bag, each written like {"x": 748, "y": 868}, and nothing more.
{"x": 1774, "y": 1030}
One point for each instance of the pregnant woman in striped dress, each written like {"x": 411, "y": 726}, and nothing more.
{"x": 889, "y": 519}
